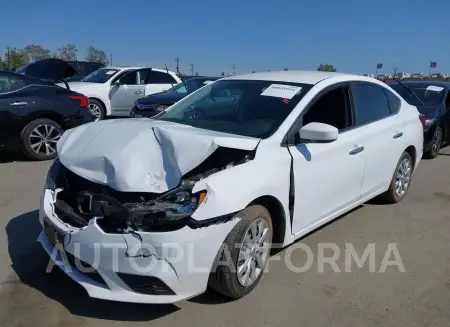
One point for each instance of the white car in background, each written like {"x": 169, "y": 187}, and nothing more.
{"x": 112, "y": 91}
{"x": 157, "y": 209}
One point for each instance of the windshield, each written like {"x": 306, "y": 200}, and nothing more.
{"x": 429, "y": 94}
{"x": 244, "y": 107}
{"x": 100, "y": 76}
{"x": 190, "y": 85}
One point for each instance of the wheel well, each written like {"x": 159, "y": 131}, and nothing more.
{"x": 413, "y": 153}
{"x": 101, "y": 102}
{"x": 48, "y": 115}
{"x": 276, "y": 212}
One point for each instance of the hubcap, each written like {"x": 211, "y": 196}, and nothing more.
{"x": 437, "y": 140}
{"x": 43, "y": 139}
{"x": 95, "y": 111}
{"x": 253, "y": 253}
{"x": 403, "y": 177}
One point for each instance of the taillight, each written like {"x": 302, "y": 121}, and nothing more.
{"x": 82, "y": 98}
{"x": 422, "y": 120}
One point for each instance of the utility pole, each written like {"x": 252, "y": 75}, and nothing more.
{"x": 395, "y": 72}
{"x": 192, "y": 69}
{"x": 234, "y": 69}
{"x": 177, "y": 61}
{"x": 110, "y": 59}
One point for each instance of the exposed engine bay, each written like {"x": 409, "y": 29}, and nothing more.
{"x": 80, "y": 201}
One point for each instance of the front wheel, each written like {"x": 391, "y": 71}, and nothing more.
{"x": 97, "y": 109}
{"x": 241, "y": 261}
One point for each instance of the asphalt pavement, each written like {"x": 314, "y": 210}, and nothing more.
{"x": 418, "y": 228}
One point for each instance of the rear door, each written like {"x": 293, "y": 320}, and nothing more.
{"x": 131, "y": 87}
{"x": 159, "y": 82}
{"x": 15, "y": 102}
{"x": 382, "y": 131}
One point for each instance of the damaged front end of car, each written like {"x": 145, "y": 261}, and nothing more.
{"x": 80, "y": 202}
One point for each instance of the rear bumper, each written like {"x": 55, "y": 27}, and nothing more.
{"x": 84, "y": 116}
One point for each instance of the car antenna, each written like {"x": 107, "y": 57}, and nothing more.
{"x": 409, "y": 89}
{"x": 167, "y": 71}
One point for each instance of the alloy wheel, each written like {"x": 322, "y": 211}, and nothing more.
{"x": 43, "y": 139}
{"x": 95, "y": 111}
{"x": 403, "y": 178}
{"x": 254, "y": 253}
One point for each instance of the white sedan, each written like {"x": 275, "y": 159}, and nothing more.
{"x": 112, "y": 91}
{"x": 154, "y": 211}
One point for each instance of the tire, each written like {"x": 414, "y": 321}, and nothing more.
{"x": 50, "y": 132}
{"x": 224, "y": 278}
{"x": 393, "y": 195}
{"x": 97, "y": 109}
{"x": 436, "y": 143}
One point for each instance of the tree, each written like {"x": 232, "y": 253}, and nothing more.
{"x": 96, "y": 55}
{"x": 326, "y": 68}
{"x": 36, "y": 52}
{"x": 68, "y": 52}
{"x": 15, "y": 59}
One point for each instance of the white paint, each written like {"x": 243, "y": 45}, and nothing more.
{"x": 281, "y": 91}
{"x": 328, "y": 182}
{"x": 119, "y": 99}
{"x": 434, "y": 88}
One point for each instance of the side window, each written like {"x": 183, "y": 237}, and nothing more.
{"x": 10, "y": 83}
{"x": 143, "y": 75}
{"x": 16, "y": 83}
{"x": 332, "y": 108}
{"x": 160, "y": 78}
{"x": 4, "y": 84}
{"x": 394, "y": 101}
{"x": 130, "y": 78}
{"x": 371, "y": 103}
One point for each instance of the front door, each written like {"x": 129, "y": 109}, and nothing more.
{"x": 327, "y": 176}
{"x": 130, "y": 88}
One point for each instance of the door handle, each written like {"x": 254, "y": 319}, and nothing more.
{"x": 138, "y": 92}
{"x": 357, "y": 150}
{"x": 397, "y": 135}
{"x": 18, "y": 103}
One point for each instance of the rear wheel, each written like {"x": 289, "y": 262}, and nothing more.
{"x": 400, "y": 181}
{"x": 436, "y": 143}
{"x": 97, "y": 109}
{"x": 39, "y": 139}
{"x": 241, "y": 261}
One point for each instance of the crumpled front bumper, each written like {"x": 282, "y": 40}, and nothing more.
{"x": 180, "y": 261}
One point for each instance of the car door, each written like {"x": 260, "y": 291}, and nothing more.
{"x": 327, "y": 177}
{"x": 127, "y": 89}
{"x": 382, "y": 130}
{"x": 15, "y": 102}
{"x": 158, "y": 82}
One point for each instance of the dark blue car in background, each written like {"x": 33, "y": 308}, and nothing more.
{"x": 152, "y": 105}
{"x": 432, "y": 99}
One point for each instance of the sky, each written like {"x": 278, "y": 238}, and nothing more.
{"x": 252, "y": 35}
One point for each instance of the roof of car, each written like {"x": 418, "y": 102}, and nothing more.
{"x": 123, "y": 67}
{"x": 304, "y": 77}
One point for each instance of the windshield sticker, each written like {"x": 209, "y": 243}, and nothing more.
{"x": 110, "y": 72}
{"x": 281, "y": 91}
{"x": 434, "y": 88}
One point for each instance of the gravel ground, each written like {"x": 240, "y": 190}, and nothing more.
{"x": 419, "y": 227}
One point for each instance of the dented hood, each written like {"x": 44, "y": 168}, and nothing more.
{"x": 141, "y": 155}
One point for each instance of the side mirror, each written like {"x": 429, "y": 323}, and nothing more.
{"x": 319, "y": 132}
